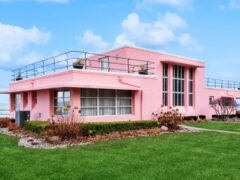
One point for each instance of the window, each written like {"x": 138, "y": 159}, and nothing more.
{"x": 17, "y": 102}
{"x": 61, "y": 100}
{"x": 165, "y": 85}
{"x": 211, "y": 98}
{"x": 34, "y": 99}
{"x": 105, "y": 102}
{"x": 178, "y": 85}
{"x": 191, "y": 77}
{"x": 104, "y": 64}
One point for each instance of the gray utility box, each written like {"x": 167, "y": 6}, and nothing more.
{"x": 21, "y": 117}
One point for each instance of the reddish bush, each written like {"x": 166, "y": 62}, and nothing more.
{"x": 4, "y": 122}
{"x": 66, "y": 126}
{"x": 7, "y": 123}
{"x": 170, "y": 118}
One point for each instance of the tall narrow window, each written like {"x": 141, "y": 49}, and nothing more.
{"x": 34, "y": 98}
{"x": 105, "y": 102}
{"x": 104, "y": 64}
{"x": 61, "y": 100}
{"x": 165, "y": 85}
{"x": 17, "y": 102}
{"x": 191, "y": 77}
{"x": 178, "y": 85}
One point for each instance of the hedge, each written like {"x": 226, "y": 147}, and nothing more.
{"x": 106, "y": 128}
{"x": 36, "y": 126}
{"x": 96, "y": 128}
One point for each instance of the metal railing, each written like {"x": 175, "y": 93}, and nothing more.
{"x": 91, "y": 61}
{"x": 224, "y": 84}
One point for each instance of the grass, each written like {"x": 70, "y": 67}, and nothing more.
{"x": 204, "y": 155}
{"x": 218, "y": 126}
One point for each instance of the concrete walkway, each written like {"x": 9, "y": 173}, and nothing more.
{"x": 210, "y": 130}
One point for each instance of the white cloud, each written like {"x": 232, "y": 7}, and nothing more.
{"x": 40, "y": 1}
{"x": 188, "y": 42}
{"x": 89, "y": 39}
{"x": 174, "y": 3}
{"x": 15, "y": 39}
{"x": 232, "y": 4}
{"x": 157, "y": 34}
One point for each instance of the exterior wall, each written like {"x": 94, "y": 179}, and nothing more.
{"x": 147, "y": 89}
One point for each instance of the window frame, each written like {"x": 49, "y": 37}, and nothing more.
{"x": 165, "y": 85}
{"x": 104, "y": 61}
{"x": 178, "y": 85}
{"x": 191, "y": 87}
{"x": 64, "y": 102}
{"x": 116, "y": 107}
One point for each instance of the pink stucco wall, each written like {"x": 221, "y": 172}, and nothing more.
{"x": 147, "y": 90}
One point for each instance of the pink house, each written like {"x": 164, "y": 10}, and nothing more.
{"x": 123, "y": 84}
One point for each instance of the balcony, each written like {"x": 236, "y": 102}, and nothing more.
{"x": 222, "y": 84}
{"x": 83, "y": 61}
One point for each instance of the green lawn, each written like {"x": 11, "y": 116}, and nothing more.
{"x": 204, "y": 155}
{"x": 218, "y": 125}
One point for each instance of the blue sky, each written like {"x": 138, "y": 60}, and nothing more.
{"x": 207, "y": 30}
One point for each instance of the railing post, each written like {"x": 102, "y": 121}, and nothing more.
{"x": 234, "y": 85}
{"x": 34, "y": 70}
{"x": 228, "y": 84}
{"x": 67, "y": 60}
{"x": 43, "y": 67}
{"x": 85, "y": 59}
{"x": 222, "y": 82}
{"x": 147, "y": 67}
{"x": 128, "y": 66}
{"x": 26, "y": 72}
{"x": 54, "y": 64}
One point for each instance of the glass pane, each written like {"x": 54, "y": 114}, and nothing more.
{"x": 106, "y": 93}
{"x": 107, "y": 111}
{"x": 86, "y": 102}
{"x": 123, "y": 93}
{"x": 60, "y": 94}
{"x": 67, "y": 94}
{"x": 124, "y": 102}
{"x": 124, "y": 110}
{"x": 107, "y": 101}
{"x": 88, "y": 93}
{"x": 89, "y": 111}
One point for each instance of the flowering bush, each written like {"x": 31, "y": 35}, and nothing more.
{"x": 7, "y": 123}
{"x": 66, "y": 126}
{"x": 170, "y": 118}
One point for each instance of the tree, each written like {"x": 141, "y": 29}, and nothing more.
{"x": 224, "y": 106}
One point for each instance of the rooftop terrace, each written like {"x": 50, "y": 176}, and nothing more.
{"x": 83, "y": 61}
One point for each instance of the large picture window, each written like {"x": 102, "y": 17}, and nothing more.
{"x": 178, "y": 85}
{"x": 105, "y": 102}
{"x": 191, "y": 77}
{"x": 61, "y": 100}
{"x": 165, "y": 85}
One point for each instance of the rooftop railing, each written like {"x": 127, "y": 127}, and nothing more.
{"x": 223, "y": 84}
{"x": 88, "y": 61}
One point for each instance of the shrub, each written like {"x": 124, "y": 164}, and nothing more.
{"x": 189, "y": 118}
{"x": 202, "y": 117}
{"x": 94, "y": 128}
{"x": 5, "y": 122}
{"x": 169, "y": 118}
{"x": 36, "y": 126}
{"x": 106, "y": 128}
{"x": 66, "y": 126}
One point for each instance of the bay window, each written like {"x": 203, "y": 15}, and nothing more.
{"x": 105, "y": 102}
